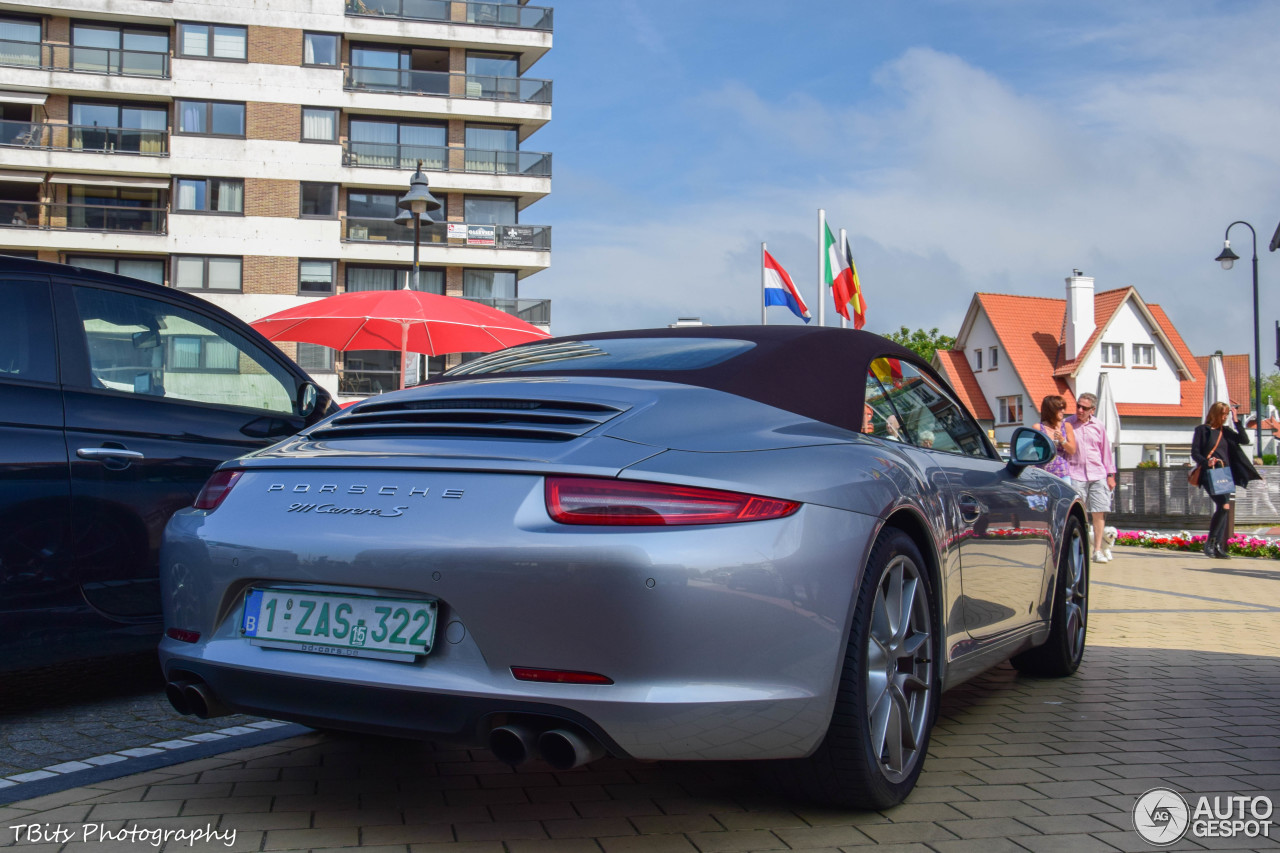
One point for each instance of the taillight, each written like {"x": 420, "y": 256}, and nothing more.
{"x": 218, "y": 487}
{"x": 585, "y": 500}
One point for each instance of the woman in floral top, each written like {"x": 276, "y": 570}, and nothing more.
{"x": 1052, "y": 413}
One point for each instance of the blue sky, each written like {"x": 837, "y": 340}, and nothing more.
{"x": 966, "y": 146}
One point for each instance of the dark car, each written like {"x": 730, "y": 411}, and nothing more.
{"x": 118, "y": 398}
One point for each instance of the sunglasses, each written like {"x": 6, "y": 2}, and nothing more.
{"x": 1084, "y": 408}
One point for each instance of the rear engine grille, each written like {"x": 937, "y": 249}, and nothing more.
{"x": 530, "y": 420}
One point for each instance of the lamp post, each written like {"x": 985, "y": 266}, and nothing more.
{"x": 414, "y": 204}
{"x": 1228, "y": 258}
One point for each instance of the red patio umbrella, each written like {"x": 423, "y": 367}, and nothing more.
{"x": 404, "y": 320}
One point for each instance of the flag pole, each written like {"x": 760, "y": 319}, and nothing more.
{"x": 764, "y": 315}
{"x": 822, "y": 227}
{"x": 844, "y": 247}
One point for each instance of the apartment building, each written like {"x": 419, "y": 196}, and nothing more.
{"x": 253, "y": 152}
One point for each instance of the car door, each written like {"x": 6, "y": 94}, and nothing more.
{"x": 157, "y": 392}
{"x": 37, "y": 576}
{"x": 999, "y": 522}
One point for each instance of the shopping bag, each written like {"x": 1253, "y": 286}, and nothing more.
{"x": 1220, "y": 481}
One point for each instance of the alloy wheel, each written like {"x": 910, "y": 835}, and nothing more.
{"x": 899, "y": 668}
{"x": 1076, "y": 594}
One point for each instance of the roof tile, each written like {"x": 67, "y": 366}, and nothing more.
{"x": 954, "y": 367}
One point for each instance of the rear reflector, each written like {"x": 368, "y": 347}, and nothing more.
{"x": 182, "y": 635}
{"x": 218, "y": 487}
{"x": 558, "y": 676}
{"x": 586, "y": 500}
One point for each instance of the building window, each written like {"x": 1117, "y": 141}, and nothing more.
{"x": 319, "y": 124}
{"x": 201, "y": 354}
{"x": 1144, "y": 355}
{"x": 320, "y": 49}
{"x": 210, "y": 195}
{"x": 977, "y": 359}
{"x": 389, "y": 144}
{"x": 213, "y": 41}
{"x": 117, "y": 127}
{"x": 21, "y": 41}
{"x": 995, "y": 358}
{"x": 315, "y": 359}
{"x": 430, "y": 280}
{"x": 319, "y": 200}
{"x": 489, "y": 210}
{"x": 147, "y": 270}
{"x": 1010, "y": 409}
{"x": 104, "y": 49}
{"x": 316, "y": 278}
{"x": 204, "y": 272}
{"x": 1113, "y": 355}
{"x": 211, "y": 118}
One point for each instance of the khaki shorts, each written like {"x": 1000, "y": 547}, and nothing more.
{"x": 1097, "y": 497}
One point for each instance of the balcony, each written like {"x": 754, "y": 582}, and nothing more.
{"x": 482, "y": 14}
{"x": 86, "y": 60}
{"x": 389, "y": 155}
{"x": 535, "y": 311}
{"x": 536, "y": 238}
{"x": 103, "y": 140}
{"x": 83, "y": 217}
{"x": 482, "y": 87}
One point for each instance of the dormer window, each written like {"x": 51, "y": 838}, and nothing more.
{"x": 1144, "y": 355}
{"x": 1113, "y": 355}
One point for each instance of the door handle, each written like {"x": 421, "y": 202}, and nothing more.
{"x": 970, "y": 509}
{"x": 118, "y": 453}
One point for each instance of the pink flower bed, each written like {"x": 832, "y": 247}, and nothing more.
{"x": 1242, "y": 545}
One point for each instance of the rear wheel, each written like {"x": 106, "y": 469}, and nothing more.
{"x": 887, "y": 698}
{"x": 1062, "y": 652}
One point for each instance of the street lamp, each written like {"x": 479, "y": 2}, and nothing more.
{"x": 414, "y": 204}
{"x": 1228, "y": 258}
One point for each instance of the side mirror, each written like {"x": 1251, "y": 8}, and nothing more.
{"x": 1029, "y": 447}
{"x": 306, "y": 399}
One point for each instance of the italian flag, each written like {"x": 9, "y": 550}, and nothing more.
{"x": 840, "y": 277}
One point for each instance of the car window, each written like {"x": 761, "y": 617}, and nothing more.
{"x": 26, "y": 332}
{"x": 918, "y": 410}
{"x": 144, "y": 346}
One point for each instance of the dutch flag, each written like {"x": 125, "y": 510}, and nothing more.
{"x": 780, "y": 290}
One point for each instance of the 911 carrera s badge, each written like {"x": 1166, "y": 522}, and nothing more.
{"x": 394, "y": 512}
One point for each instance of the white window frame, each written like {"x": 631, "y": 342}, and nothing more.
{"x": 977, "y": 360}
{"x": 1106, "y": 348}
{"x": 1004, "y": 404}
{"x": 1149, "y": 350}
{"x": 993, "y": 362}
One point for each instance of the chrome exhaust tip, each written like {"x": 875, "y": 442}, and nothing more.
{"x": 175, "y": 692}
{"x": 513, "y": 744}
{"x": 202, "y": 702}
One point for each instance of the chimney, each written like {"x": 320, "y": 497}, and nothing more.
{"x": 1079, "y": 322}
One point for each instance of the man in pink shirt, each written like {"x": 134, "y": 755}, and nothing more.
{"x": 1093, "y": 470}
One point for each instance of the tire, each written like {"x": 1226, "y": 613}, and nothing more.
{"x": 888, "y": 683}
{"x": 1061, "y": 654}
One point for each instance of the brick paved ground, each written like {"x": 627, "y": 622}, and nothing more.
{"x": 1180, "y": 687}
{"x": 77, "y": 711}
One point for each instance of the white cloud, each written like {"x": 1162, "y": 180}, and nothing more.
{"x": 952, "y": 179}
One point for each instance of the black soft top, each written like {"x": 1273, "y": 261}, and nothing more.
{"x": 819, "y": 373}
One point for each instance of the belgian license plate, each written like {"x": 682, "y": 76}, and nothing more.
{"x": 348, "y": 625}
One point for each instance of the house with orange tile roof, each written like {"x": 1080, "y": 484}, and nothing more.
{"x": 1013, "y": 351}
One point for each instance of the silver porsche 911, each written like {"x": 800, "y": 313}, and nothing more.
{"x": 767, "y": 543}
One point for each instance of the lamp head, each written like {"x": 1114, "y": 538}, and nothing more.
{"x": 419, "y": 199}
{"x": 1228, "y": 257}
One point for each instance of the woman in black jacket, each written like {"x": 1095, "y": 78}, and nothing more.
{"x": 1216, "y": 444}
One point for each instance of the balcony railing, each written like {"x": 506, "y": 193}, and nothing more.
{"x": 389, "y": 155}
{"x": 74, "y": 137}
{"x": 82, "y": 217}
{"x": 535, "y": 311}
{"x": 536, "y": 238}
{"x": 484, "y": 14}
{"x": 88, "y": 60}
{"x": 525, "y": 90}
